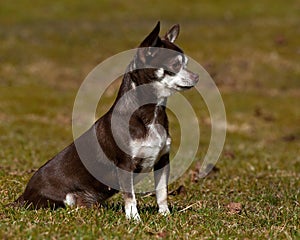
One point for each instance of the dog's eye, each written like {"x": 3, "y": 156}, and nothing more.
{"x": 172, "y": 69}
{"x": 176, "y": 66}
{"x": 170, "y": 73}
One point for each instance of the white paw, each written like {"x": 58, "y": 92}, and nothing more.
{"x": 164, "y": 210}
{"x": 70, "y": 200}
{"x": 136, "y": 217}
{"x": 132, "y": 213}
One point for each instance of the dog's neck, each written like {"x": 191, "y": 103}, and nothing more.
{"x": 134, "y": 91}
{"x": 138, "y": 83}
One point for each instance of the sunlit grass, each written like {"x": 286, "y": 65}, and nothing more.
{"x": 251, "y": 49}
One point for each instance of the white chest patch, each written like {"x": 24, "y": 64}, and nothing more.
{"x": 151, "y": 148}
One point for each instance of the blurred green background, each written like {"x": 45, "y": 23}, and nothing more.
{"x": 252, "y": 51}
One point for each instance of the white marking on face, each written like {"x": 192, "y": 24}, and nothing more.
{"x": 186, "y": 60}
{"x": 171, "y": 84}
{"x": 70, "y": 200}
{"x": 182, "y": 78}
{"x": 160, "y": 72}
{"x": 179, "y": 57}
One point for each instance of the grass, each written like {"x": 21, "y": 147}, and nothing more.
{"x": 252, "y": 52}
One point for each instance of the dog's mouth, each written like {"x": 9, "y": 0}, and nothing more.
{"x": 184, "y": 87}
{"x": 191, "y": 83}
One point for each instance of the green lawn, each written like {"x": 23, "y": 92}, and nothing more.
{"x": 252, "y": 51}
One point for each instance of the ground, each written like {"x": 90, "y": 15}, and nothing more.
{"x": 251, "y": 50}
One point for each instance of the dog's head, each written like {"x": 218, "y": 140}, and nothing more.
{"x": 163, "y": 63}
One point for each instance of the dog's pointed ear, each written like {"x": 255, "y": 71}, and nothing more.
{"x": 148, "y": 48}
{"x": 152, "y": 39}
{"x": 173, "y": 33}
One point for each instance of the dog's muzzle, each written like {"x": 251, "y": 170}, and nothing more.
{"x": 192, "y": 80}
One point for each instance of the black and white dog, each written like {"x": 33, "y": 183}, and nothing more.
{"x": 65, "y": 181}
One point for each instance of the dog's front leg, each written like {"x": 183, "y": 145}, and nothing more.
{"x": 127, "y": 188}
{"x": 161, "y": 177}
